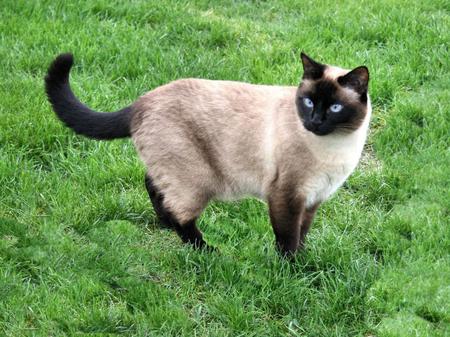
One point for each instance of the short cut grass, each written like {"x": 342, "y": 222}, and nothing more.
{"x": 81, "y": 252}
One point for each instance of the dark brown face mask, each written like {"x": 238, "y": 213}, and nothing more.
{"x": 327, "y": 104}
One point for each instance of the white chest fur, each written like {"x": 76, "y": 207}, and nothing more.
{"x": 321, "y": 185}
{"x": 337, "y": 157}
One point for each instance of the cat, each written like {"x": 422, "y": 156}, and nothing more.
{"x": 202, "y": 140}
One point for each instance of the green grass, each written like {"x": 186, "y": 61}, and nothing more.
{"x": 80, "y": 250}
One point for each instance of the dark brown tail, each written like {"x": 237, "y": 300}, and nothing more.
{"x": 75, "y": 114}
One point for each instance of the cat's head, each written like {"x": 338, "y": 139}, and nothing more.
{"x": 331, "y": 99}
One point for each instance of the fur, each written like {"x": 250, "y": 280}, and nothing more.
{"x": 203, "y": 140}
{"x": 76, "y": 115}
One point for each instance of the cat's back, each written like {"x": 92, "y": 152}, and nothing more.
{"x": 211, "y": 94}
{"x": 214, "y": 107}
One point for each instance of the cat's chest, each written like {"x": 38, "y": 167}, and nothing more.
{"x": 334, "y": 160}
{"x": 325, "y": 180}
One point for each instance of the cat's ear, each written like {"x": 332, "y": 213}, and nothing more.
{"x": 357, "y": 79}
{"x": 311, "y": 69}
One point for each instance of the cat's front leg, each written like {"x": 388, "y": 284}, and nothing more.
{"x": 307, "y": 219}
{"x": 286, "y": 211}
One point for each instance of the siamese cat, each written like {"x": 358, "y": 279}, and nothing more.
{"x": 202, "y": 140}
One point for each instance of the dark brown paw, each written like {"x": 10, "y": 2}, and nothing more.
{"x": 202, "y": 245}
{"x": 286, "y": 253}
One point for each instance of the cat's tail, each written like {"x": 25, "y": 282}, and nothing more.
{"x": 75, "y": 114}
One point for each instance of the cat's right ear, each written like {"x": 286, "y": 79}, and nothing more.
{"x": 311, "y": 69}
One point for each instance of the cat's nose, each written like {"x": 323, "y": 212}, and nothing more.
{"x": 316, "y": 120}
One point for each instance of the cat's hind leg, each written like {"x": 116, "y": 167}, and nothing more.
{"x": 182, "y": 218}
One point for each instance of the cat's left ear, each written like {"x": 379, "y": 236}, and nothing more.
{"x": 357, "y": 79}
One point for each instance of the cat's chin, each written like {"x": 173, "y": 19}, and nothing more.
{"x": 318, "y": 131}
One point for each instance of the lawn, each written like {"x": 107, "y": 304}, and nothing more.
{"x": 81, "y": 252}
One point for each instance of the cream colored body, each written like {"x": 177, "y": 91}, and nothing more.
{"x": 203, "y": 139}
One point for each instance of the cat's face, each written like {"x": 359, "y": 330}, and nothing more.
{"x": 331, "y": 99}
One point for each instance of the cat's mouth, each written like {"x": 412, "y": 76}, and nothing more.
{"x": 319, "y": 130}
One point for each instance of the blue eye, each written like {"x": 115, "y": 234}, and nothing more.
{"x": 308, "y": 102}
{"x": 336, "y": 107}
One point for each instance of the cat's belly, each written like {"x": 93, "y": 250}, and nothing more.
{"x": 240, "y": 187}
